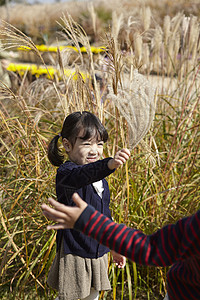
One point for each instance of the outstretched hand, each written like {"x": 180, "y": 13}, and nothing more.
{"x": 119, "y": 159}
{"x": 65, "y": 216}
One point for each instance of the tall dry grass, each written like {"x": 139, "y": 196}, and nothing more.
{"x": 170, "y": 47}
{"x": 158, "y": 185}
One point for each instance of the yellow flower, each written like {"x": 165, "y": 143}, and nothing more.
{"x": 49, "y": 72}
{"x": 44, "y": 48}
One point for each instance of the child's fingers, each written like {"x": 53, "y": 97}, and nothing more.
{"x": 120, "y": 261}
{"x": 78, "y": 201}
{"x": 121, "y": 158}
{"x": 56, "y": 226}
{"x": 56, "y": 204}
{"x": 63, "y": 219}
{"x": 53, "y": 214}
{"x": 125, "y": 153}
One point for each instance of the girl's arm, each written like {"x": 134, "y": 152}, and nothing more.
{"x": 77, "y": 176}
{"x": 162, "y": 248}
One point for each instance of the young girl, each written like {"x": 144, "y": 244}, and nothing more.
{"x": 79, "y": 270}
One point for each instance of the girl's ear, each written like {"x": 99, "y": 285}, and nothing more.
{"x": 67, "y": 145}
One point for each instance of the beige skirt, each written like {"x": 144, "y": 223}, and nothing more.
{"x": 74, "y": 276}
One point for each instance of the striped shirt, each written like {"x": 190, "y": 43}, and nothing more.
{"x": 177, "y": 245}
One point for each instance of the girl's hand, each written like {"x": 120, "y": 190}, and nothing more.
{"x": 119, "y": 159}
{"x": 65, "y": 216}
{"x": 118, "y": 259}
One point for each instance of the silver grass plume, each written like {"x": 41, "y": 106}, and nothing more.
{"x": 176, "y": 23}
{"x": 93, "y": 16}
{"x": 117, "y": 23}
{"x": 193, "y": 34}
{"x": 166, "y": 29}
{"x": 156, "y": 46}
{"x": 145, "y": 13}
{"x": 138, "y": 46}
{"x": 136, "y": 102}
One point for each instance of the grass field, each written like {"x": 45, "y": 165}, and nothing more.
{"x": 159, "y": 184}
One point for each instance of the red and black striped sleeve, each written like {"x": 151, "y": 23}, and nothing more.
{"x": 162, "y": 248}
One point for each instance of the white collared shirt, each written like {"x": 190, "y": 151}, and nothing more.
{"x": 98, "y": 185}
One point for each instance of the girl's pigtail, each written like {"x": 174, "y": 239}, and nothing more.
{"x": 55, "y": 156}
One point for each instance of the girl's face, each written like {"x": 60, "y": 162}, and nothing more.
{"x": 84, "y": 151}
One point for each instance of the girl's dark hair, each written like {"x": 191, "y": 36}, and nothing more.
{"x": 72, "y": 126}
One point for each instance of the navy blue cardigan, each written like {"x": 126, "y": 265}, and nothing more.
{"x": 70, "y": 178}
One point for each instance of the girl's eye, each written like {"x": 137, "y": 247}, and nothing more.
{"x": 86, "y": 144}
{"x": 100, "y": 144}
